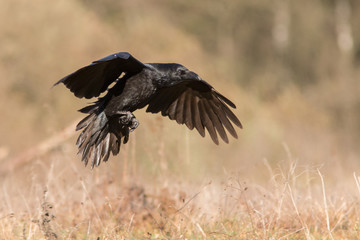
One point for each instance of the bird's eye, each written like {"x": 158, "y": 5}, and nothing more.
{"x": 181, "y": 71}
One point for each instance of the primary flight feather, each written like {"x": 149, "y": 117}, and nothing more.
{"x": 168, "y": 88}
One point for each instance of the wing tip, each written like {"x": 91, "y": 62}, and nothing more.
{"x": 239, "y": 124}
{"x": 224, "y": 99}
{"x": 60, "y": 81}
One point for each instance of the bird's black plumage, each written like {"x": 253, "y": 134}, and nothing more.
{"x": 168, "y": 88}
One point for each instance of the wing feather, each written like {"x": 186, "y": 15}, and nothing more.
{"x": 223, "y": 98}
{"x": 224, "y": 120}
{"x": 216, "y": 122}
{"x": 207, "y": 122}
{"x": 179, "y": 112}
{"x": 197, "y": 105}
{"x": 160, "y": 101}
{"x": 187, "y": 111}
{"x": 195, "y": 116}
{"x": 231, "y": 115}
{"x": 171, "y": 110}
{"x": 90, "y": 81}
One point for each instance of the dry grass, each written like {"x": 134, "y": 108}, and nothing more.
{"x": 57, "y": 198}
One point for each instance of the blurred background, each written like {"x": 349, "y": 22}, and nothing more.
{"x": 291, "y": 67}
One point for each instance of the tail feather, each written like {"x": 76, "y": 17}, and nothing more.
{"x": 100, "y": 136}
{"x": 85, "y": 122}
{"x": 90, "y": 108}
{"x": 114, "y": 144}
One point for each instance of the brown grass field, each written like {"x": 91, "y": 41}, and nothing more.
{"x": 293, "y": 173}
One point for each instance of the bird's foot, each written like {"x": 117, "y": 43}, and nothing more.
{"x": 134, "y": 124}
{"x": 128, "y": 119}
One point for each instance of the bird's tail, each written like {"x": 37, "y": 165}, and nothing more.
{"x": 100, "y": 135}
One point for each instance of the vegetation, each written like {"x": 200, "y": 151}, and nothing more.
{"x": 291, "y": 67}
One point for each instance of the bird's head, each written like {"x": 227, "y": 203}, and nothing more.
{"x": 180, "y": 73}
{"x": 173, "y": 73}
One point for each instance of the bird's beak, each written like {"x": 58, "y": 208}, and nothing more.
{"x": 194, "y": 76}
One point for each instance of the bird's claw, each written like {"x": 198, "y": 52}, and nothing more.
{"x": 125, "y": 118}
{"x": 128, "y": 119}
{"x": 134, "y": 124}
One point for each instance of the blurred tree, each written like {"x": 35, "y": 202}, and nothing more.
{"x": 349, "y": 116}
{"x": 268, "y": 45}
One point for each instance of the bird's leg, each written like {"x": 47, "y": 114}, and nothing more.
{"x": 127, "y": 118}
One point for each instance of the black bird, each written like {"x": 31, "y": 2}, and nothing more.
{"x": 168, "y": 88}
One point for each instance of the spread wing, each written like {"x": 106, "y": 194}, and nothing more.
{"x": 92, "y": 80}
{"x": 197, "y": 105}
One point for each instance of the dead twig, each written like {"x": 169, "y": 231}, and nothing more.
{"x": 40, "y": 149}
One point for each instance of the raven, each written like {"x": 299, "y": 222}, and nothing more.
{"x": 168, "y": 88}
